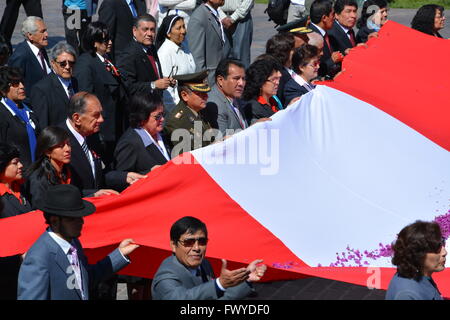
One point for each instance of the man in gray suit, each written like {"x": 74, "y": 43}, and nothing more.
{"x": 223, "y": 99}
{"x": 187, "y": 275}
{"x": 207, "y": 38}
{"x": 55, "y": 268}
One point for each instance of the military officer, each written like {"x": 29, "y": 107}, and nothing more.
{"x": 186, "y": 127}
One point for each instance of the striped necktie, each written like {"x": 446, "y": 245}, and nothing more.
{"x": 85, "y": 148}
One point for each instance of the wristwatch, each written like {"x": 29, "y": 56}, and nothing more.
{"x": 153, "y": 85}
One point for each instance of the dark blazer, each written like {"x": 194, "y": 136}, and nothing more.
{"x": 255, "y": 110}
{"x": 93, "y": 77}
{"x": 137, "y": 69}
{"x": 173, "y": 281}
{"x": 36, "y": 188}
{"x": 285, "y": 77}
{"x": 13, "y": 130}
{"x": 363, "y": 34}
{"x": 45, "y": 274}
{"x": 116, "y": 14}
{"x": 24, "y": 59}
{"x": 50, "y": 101}
{"x": 13, "y": 207}
{"x": 80, "y": 168}
{"x": 327, "y": 65}
{"x": 131, "y": 155}
{"x": 293, "y": 90}
{"x": 339, "y": 39}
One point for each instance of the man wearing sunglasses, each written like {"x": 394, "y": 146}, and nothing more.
{"x": 187, "y": 275}
{"x": 50, "y": 96}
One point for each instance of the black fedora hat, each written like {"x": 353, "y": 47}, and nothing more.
{"x": 65, "y": 200}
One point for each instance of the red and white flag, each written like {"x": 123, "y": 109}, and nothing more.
{"x": 321, "y": 190}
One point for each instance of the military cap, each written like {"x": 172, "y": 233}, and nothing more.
{"x": 296, "y": 26}
{"x": 194, "y": 81}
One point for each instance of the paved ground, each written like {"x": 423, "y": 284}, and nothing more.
{"x": 310, "y": 288}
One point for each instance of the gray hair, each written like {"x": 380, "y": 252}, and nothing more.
{"x": 145, "y": 17}
{"x": 30, "y": 25}
{"x": 61, "y": 47}
{"x": 315, "y": 39}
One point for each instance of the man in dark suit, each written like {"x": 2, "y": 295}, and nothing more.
{"x": 139, "y": 62}
{"x": 50, "y": 96}
{"x": 187, "y": 275}
{"x": 83, "y": 124}
{"x": 342, "y": 35}
{"x": 30, "y": 55}
{"x": 118, "y": 15}
{"x": 55, "y": 267}
{"x": 322, "y": 18}
{"x": 9, "y": 18}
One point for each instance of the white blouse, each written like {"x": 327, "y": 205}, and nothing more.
{"x": 181, "y": 60}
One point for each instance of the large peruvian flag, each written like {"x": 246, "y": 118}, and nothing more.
{"x": 320, "y": 190}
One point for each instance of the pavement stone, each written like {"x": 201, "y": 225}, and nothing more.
{"x": 306, "y": 288}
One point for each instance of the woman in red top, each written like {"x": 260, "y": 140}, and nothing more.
{"x": 262, "y": 80}
{"x": 53, "y": 153}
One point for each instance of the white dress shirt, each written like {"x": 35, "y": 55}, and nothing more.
{"x": 80, "y": 140}
{"x": 172, "y": 55}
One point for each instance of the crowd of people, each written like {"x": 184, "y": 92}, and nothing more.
{"x": 127, "y": 93}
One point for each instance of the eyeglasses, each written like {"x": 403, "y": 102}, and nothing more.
{"x": 159, "y": 116}
{"x": 315, "y": 64}
{"x": 190, "y": 242}
{"x": 274, "y": 80}
{"x": 63, "y": 64}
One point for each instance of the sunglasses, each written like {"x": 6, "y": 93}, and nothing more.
{"x": 63, "y": 64}
{"x": 15, "y": 83}
{"x": 159, "y": 116}
{"x": 190, "y": 242}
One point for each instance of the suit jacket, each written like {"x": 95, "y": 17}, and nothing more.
{"x": 93, "y": 77}
{"x": 24, "y": 59}
{"x": 327, "y": 65}
{"x": 226, "y": 116}
{"x": 45, "y": 273}
{"x": 363, "y": 34}
{"x": 339, "y": 39}
{"x": 12, "y": 206}
{"x": 116, "y": 14}
{"x": 255, "y": 110}
{"x": 285, "y": 77}
{"x": 205, "y": 41}
{"x": 173, "y": 281}
{"x": 13, "y": 130}
{"x": 132, "y": 156}
{"x": 80, "y": 168}
{"x": 293, "y": 90}
{"x": 137, "y": 69}
{"x": 50, "y": 101}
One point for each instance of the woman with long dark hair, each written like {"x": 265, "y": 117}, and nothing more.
{"x": 373, "y": 16}
{"x": 419, "y": 251}
{"x": 174, "y": 56}
{"x": 429, "y": 19}
{"x": 53, "y": 153}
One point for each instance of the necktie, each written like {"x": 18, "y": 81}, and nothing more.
{"x": 76, "y": 268}
{"x": 85, "y": 148}
{"x": 133, "y": 8}
{"x": 70, "y": 90}
{"x": 238, "y": 114}
{"x": 351, "y": 33}
{"x": 327, "y": 40}
{"x": 41, "y": 56}
{"x": 153, "y": 62}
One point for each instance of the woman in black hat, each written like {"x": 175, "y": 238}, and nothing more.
{"x": 53, "y": 153}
